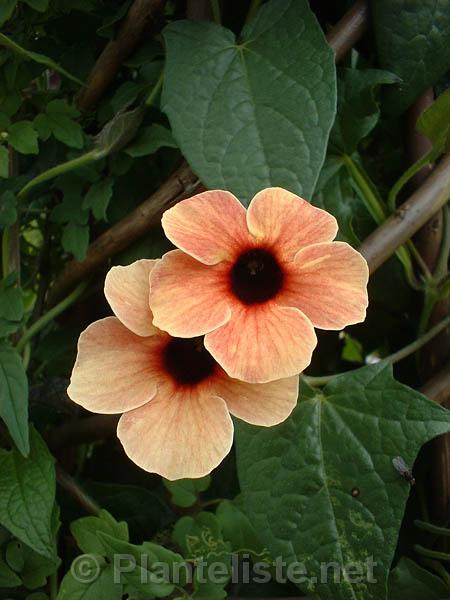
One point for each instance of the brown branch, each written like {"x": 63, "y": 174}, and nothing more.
{"x": 76, "y": 491}
{"x": 117, "y": 50}
{"x": 409, "y": 217}
{"x": 83, "y": 431}
{"x": 344, "y": 35}
{"x": 438, "y": 387}
{"x": 180, "y": 184}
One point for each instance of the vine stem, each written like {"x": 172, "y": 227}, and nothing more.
{"x": 372, "y": 203}
{"x": 69, "y": 484}
{"x": 376, "y": 209}
{"x": 392, "y": 358}
{"x": 50, "y": 315}
{"x": 70, "y": 165}
{"x": 435, "y": 529}
{"x": 155, "y": 90}
{"x": 5, "y": 252}
{"x": 215, "y": 7}
{"x": 431, "y": 553}
{"x": 254, "y": 5}
{"x": 405, "y": 177}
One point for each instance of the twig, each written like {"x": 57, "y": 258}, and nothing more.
{"x": 117, "y": 51}
{"x": 409, "y": 217}
{"x": 392, "y": 358}
{"x": 344, "y": 35}
{"x": 83, "y": 431}
{"x": 76, "y": 491}
{"x": 180, "y": 184}
{"x": 438, "y": 387}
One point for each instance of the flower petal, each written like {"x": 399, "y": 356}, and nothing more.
{"x": 115, "y": 369}
{"x": 263, "y": 404}
{"x": 328, "y": 282}
{"x": 285, "y": 221}
{"x": 188, "y": 298}
{"x": 209, "y": 226}
{"x": 127, "y": 291}
{"x": 179, "y": 434}
{"x": 262, "y": 343}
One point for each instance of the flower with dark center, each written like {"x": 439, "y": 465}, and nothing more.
{"x": 175, "y": 398}
{"x": 256, "y": 282}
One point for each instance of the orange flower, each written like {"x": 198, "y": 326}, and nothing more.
{"x": 256, "y": 282}
{"x": 175, "y": 398}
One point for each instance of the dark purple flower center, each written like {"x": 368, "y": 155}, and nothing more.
{"x": 188, "y": 361}
{"x": 256, "y": 276}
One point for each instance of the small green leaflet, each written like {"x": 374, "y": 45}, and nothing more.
{"x": 321, "y": 487}
{"x": 23, "y": 137}
{"x": 59, "y": 121}
{"x": 185, "y": 492}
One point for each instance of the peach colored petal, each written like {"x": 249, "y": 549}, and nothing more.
{"x": 328, "y": 282}
{"x": 263, "y": 404}
{"x": 209, "y": 226}
{"x": 187, "y": 297}
{"x": 115, "y": 369}
{"x": 127, "y": 291}
{"x": 286, "y": 222}
{"x": 262, "y": 343}
{"x": 179, "y": 434}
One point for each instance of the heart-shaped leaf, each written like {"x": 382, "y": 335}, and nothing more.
{"x": 321, "y": 488}
{"x": 253, "y": 112}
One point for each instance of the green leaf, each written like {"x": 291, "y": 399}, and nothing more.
{"x": 358, "y": 108}
{"x": 14, "y": 556}
{"x": 85, "y": 531}
{"x": 7, "y": 8}
{"x": 150, "y": 140}
{"x": 39, "y": 5}
{"x": 253, "y": 112}
{"x": 336, "y": 193}
{"x": 238, "y": 530}
{"x": 146, "y": 577}
{"x": 125, "y": 95}
{"x": 352, "y": 350}
{"x": 37, "y": 568}
{"x": 185, "y": 492}
{"x": 4, "y": 162}
{"x": 202, "y": 537}
{"x": 412, "y": 42}
{"x": 94, "y": 584}
{"x": 98, "y": 197}
{"x": 8, "y": 211}
{"x": 321, "y": 487}
{"x": 8, "y": 579}
{"x": 434, "y": 123}
{"x": 27, "y": 495}
{"x": 35, "y": 56}
{"x": 59, "y": 120}
{"x": 409, "y": 581}
{"x": 14, "y": 398}
{"x": 23, "y": 137}
{"x": 75, "y": 240}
